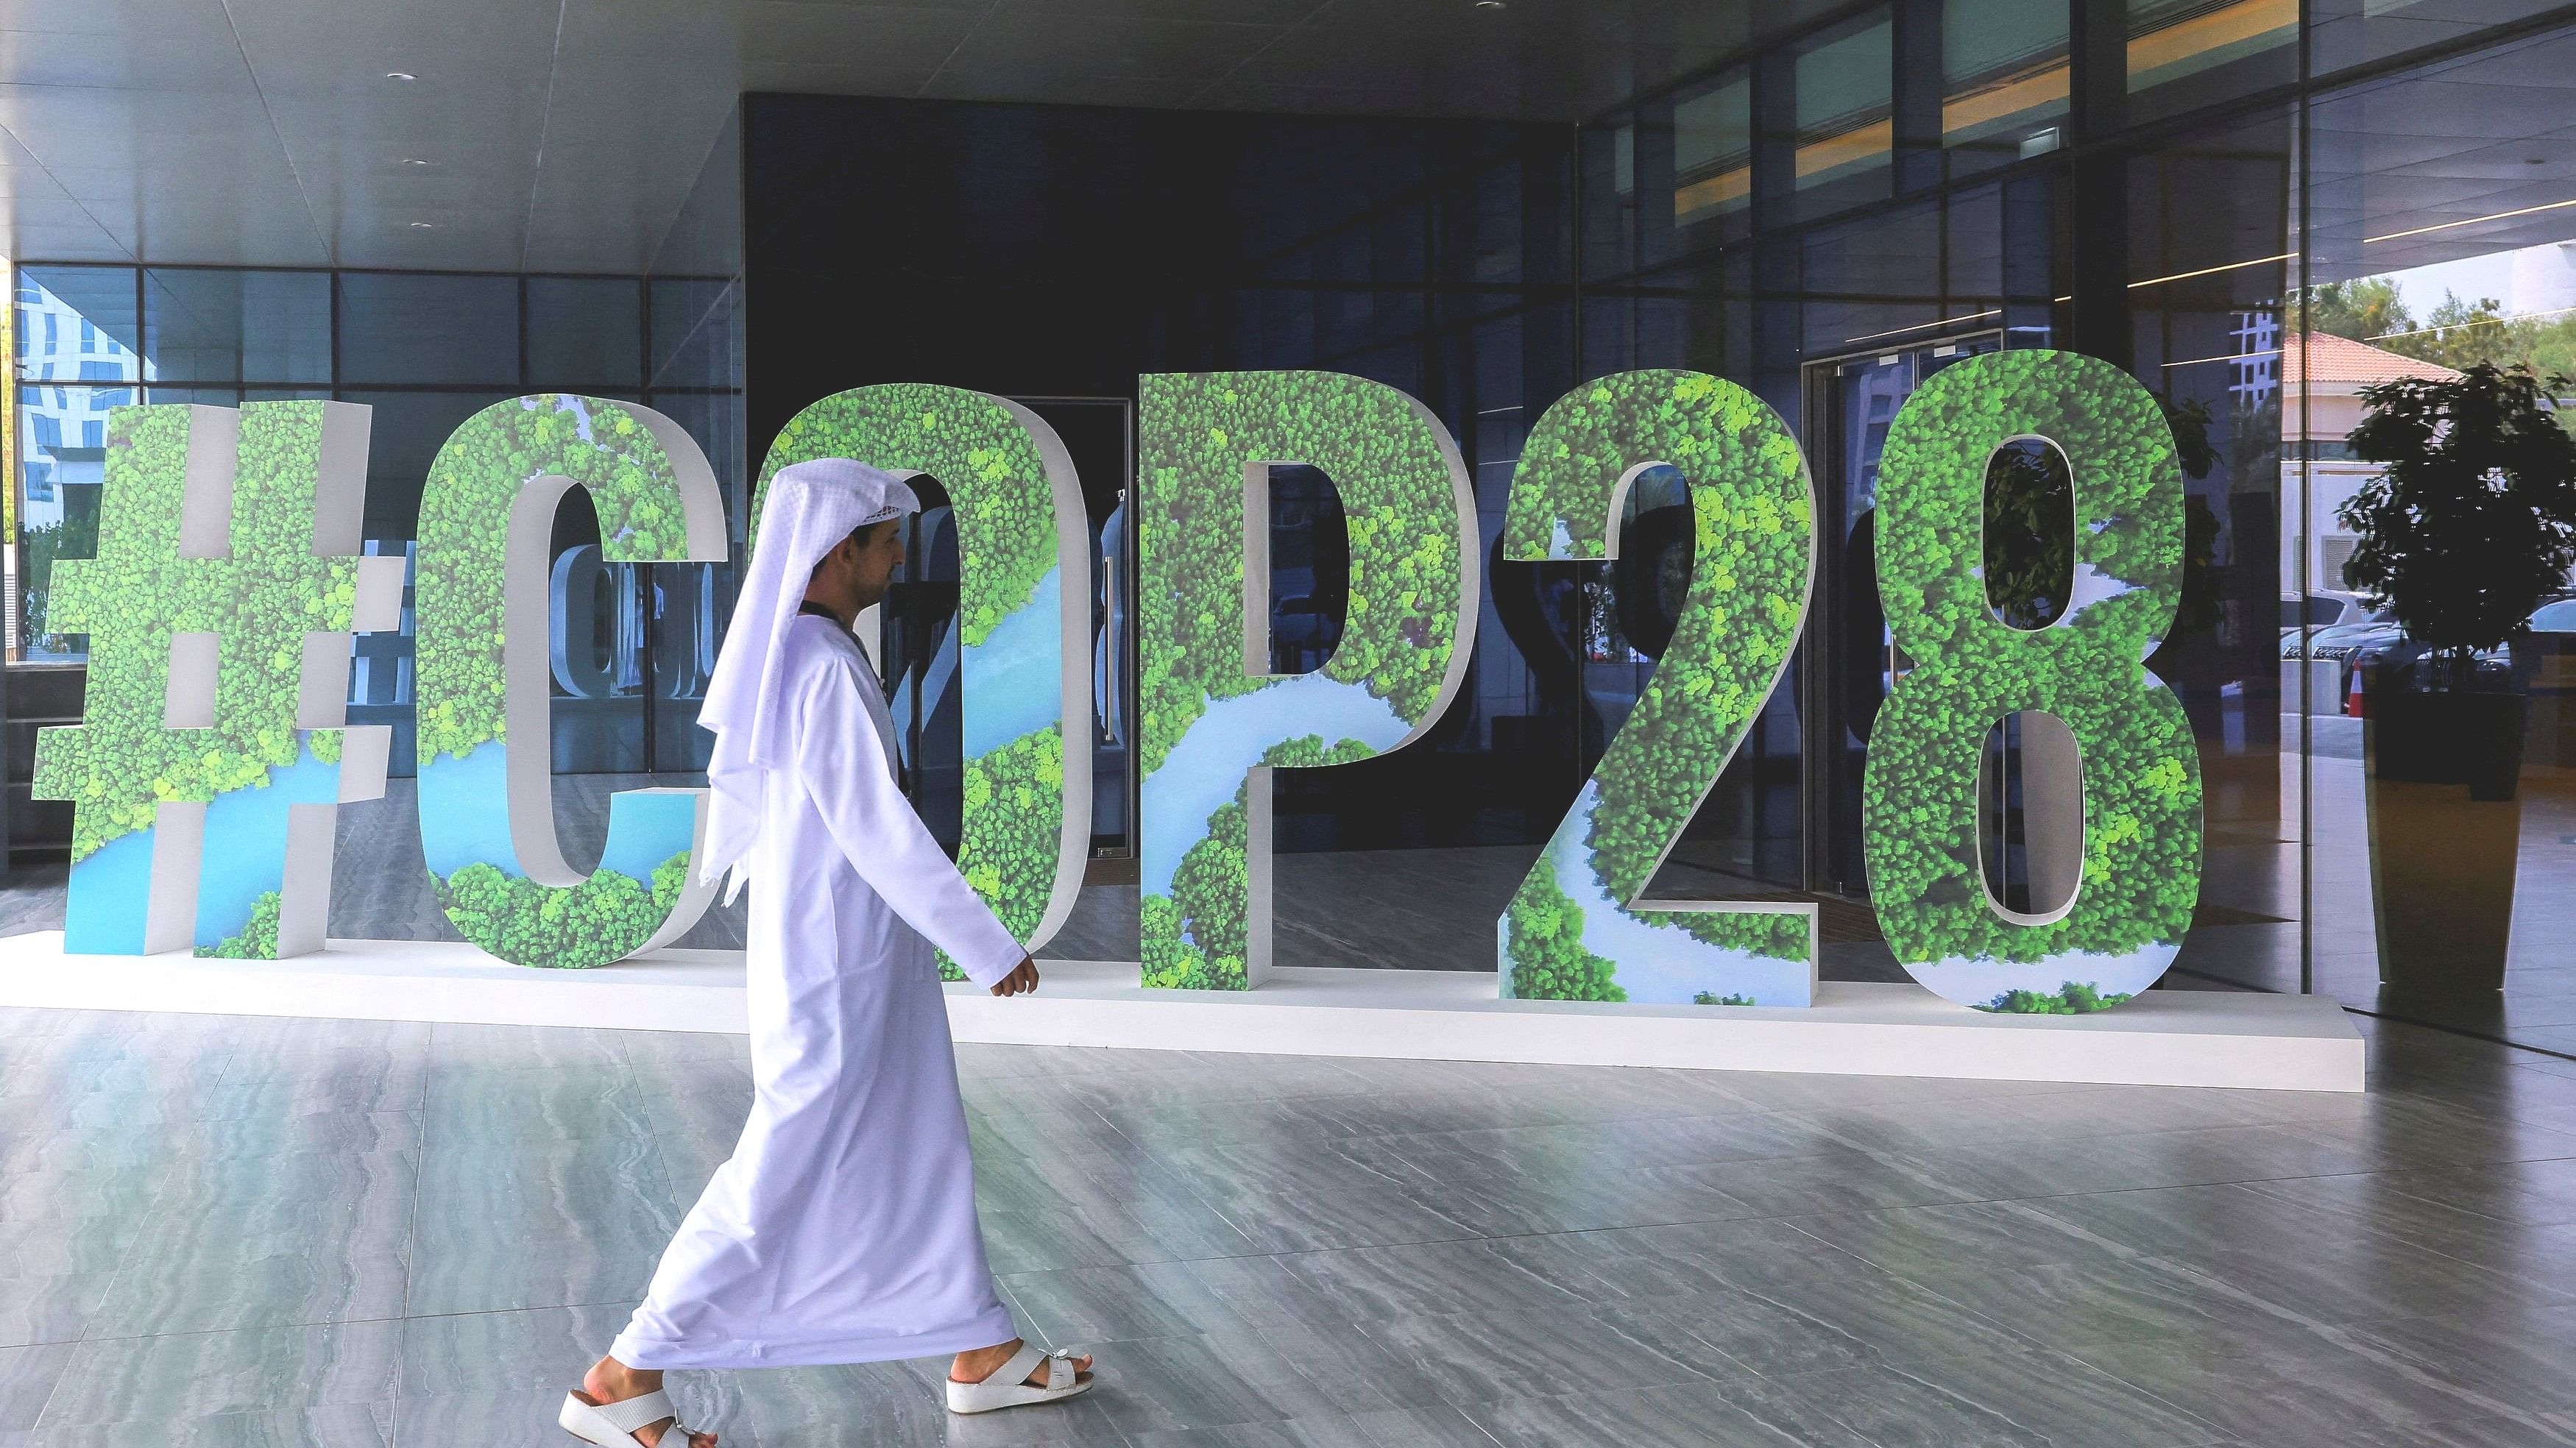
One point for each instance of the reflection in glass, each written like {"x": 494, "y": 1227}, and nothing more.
{"x": 2029, "y": 534}
{"x": 2187, "y": 53}
{"x": 1310, "y": 569}
{"x": 62, "y": 460}
{"x": 2004, "y": 80}
{"x": 380, "y": 667}
{"x": 1846, "y": 87}
{"x": 919, "y": 657}
{"x": 204, "y": 324}
{"x": 694, "y": 331}
{"x": 415, "y": 327}
{"x": 585, "y": 333}
{"x": 77, "y": 323}
{"x": 1713, "y": 152}
{"x": 2030, "y": 816}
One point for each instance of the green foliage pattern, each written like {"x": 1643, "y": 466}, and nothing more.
{"x": 119, "y": 764}
{"x": 473, "y": 485}
{"x": 976, "y": 449}
{"x": 2141, "y": 870}
{"x": 465, "y": 510}
{"x": 256, "y": 940}
{"x": 1393, "y": 468}
{"x": 74, "y": 537}
{"x": 994, "y": 472}
{"x": 1194, "y": 939}
{"x": 1543, "y": 942}
{"x": 2070, "y": 999}
{"x": 1753, "y": 522}
{"x": 601, "y": 920}
{"x": 1013, "y": 813}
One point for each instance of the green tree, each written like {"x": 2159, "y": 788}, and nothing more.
{"x": 257, "y": 939}
{"x": 472, "y": 490}
{"x": 2362, "y": 309}
{"x": 465, "y": 508}
{"x": 1013, "y": 828}
{"x": 2070, "y": 999}
{"x": 1394, "y": 471}
{"x": 120, "y": 764}
{"x": 2471, "y": 522}
{"x": 594, "y": 923}
{"x": 2461, "y": 335}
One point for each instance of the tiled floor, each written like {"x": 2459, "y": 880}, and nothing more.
{"x": 234, "y": 1231}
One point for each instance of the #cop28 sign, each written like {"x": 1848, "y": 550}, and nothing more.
{"x": 214, "y": 750}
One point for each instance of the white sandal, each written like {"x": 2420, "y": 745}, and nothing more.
{"x": 613, "y": 1425}
{"x": 1007, "y": 1386}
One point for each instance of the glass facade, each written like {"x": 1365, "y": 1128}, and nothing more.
{"x": 2254, "y": 208}
{"x": 2245, "y": 230}
{"x": 424, "y": 351}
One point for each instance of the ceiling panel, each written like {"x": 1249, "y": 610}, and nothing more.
{"x": 2458, "y": 143}
{"x": 906, "y": 41}
{"x": 1034, "y": 43}
{"x": 476, "y": 113}
{"x": 566, "y": 134}
{"x": 190, "y": 48}
{"x": 612, "y": 174}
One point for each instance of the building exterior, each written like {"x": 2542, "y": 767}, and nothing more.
{"x": 2323, "y": 376}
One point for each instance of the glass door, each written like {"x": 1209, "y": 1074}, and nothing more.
{"x": 1849, "y": 656}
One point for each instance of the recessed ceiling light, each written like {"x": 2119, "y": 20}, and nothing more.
{"x": 400, "y": 75}
{"x": 1489, "y": 4}
{"x": 420, "y": 226}
{"x": 414, "y": 161}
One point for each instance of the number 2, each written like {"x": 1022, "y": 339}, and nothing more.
{"x": 1577, "y": 928}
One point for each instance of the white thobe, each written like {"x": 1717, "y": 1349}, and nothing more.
{"x": 843, "y": 1230}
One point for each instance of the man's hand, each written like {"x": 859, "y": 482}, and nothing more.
{"x": 1020, "y": 981}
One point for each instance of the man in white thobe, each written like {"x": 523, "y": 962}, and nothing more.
{"x": 843, "y": 1229}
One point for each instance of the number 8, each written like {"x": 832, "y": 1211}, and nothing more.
{"x": 2140, "y": 770}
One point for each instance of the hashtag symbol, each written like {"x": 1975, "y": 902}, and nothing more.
{"x": 211, "y": 753}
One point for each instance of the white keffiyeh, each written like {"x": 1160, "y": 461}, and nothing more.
{"x": 809, "y": 508}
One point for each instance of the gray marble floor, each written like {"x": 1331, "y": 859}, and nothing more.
{"x": 245, "y": 1231}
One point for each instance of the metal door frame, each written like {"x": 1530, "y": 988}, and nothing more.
{"x": 1819, "y": 407}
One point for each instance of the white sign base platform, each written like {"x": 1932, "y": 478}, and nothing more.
{"x": 2163, "y": 1038}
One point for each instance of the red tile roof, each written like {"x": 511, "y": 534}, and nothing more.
{"x": 2326, "y": 358}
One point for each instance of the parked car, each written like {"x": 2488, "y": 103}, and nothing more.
{"x": 2392, "y": 657}
{"x": 2303, "y": 620}
{"x": 2556, "y": 616}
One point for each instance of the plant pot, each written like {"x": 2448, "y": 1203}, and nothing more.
{"x": 2442, "y": 856}
{"x": 2449, "y": 738}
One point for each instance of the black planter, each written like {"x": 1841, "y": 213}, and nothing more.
{"x": 2449, "y": 738}
{"x": 2442, "y": 856}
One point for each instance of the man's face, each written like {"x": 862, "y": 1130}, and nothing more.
{"x": 879, "y": 553}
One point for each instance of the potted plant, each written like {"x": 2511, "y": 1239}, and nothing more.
{"x": 2471, "y": 525}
